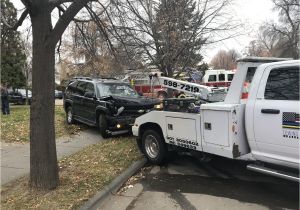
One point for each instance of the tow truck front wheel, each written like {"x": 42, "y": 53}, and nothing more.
{"x": 153, "y": 147}
{"x": 102, "y": 125}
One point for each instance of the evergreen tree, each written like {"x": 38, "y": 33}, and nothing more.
{"x": 178, "y": 22}
{"x": 12, "y": 53}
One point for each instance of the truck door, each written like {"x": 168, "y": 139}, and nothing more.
{"x": 276, "y": 114}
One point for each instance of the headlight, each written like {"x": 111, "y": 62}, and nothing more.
{"x": 158, "y": 106}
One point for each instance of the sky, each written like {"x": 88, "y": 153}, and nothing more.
{"x": 252, "y": 13}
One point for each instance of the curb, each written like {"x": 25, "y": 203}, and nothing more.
{"x": 114, "y": 185}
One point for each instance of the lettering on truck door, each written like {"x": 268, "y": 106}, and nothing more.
{"x": 276, "y": 114}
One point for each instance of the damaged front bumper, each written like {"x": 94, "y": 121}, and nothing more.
{"x": 116, "y": 123}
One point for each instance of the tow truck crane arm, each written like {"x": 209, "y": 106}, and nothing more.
{"x": 201, "y": 91}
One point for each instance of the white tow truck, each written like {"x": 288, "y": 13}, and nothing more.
{"x": 262, "y": 129}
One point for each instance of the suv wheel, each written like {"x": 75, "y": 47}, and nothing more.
{"x": 69, "y": 115}
{"x": 102, "y": 124}
{"x": 153, "y": 147}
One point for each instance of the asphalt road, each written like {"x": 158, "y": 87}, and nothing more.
{"x": 185, "y": 183}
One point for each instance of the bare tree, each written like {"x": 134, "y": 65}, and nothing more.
{"x": 279, "y": 39}
{"x": 90, "y": 44}
{"x": 169, "y": 33}
{"x": 288, "y": 27}
{"x": 225, "y": 59}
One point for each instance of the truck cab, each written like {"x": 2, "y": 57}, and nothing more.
{"x": 272, "y": 114}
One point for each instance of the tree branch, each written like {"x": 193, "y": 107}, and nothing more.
{"x": 64, "y": 21}
{"x": 18, "y": 23}
{"x": 27, "y": 4}
{"x": 61, "y": 9}
{"x": 56, "y": 3}
{"x": 101, "y": 27}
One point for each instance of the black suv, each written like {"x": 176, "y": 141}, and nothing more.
{"x": 109, "y": 104}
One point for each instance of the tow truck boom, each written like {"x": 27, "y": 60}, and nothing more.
{"x": 202, "y": 91}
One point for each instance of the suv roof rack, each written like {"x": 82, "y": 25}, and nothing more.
{"x": 94, "y": 78}
{"x": 87, "y": 78}
{"x": 102, "y": 77}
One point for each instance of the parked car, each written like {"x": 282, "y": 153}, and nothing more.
{"x": 58, "y": 94}
{"x": 18, "y": 96}
{"x": 109, "y": 104}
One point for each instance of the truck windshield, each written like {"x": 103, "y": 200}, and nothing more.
{"x": 118, "y": 89}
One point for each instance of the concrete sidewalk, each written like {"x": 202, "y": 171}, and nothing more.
{"x": 15, "y": 157}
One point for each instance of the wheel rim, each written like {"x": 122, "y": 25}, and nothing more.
{"x": 151, "y": 146}
{"x": 69, "y": 116}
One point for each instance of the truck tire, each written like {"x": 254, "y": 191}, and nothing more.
{"x": 154, "y": 147}
{"x": 102, "y": 124}
{"x": 69, "y": 115}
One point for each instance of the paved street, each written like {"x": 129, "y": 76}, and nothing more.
{"x": 187, "y": 184}
{"x": 15, "y": 157}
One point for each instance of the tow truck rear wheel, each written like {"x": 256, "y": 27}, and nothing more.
{"x": 154, "y": 147}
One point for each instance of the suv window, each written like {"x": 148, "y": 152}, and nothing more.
{"x": 212, "y": 78}
{"x": 90, "y": 88}
{"x": 221, "y": 77}
{"x": 118, "y": 89}
{"x": 283, "y": 84}
{"x": 72, "y": 87}
{"x": 80, "y": 88}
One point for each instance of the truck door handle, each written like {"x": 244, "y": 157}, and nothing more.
{"x": 270, "y": 111}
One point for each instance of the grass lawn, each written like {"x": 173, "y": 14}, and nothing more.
{"x": 81, "y": 176}
{"x": 15, "y": 127}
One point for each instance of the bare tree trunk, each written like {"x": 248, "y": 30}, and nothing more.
{"x": 43, "y": 158}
